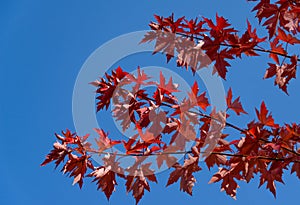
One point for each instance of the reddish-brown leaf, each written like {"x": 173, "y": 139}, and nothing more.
{"x": 58, "y": 154}
{"x": 201, "y": 100}
{"x": 221, "y": 64}
{"x": 106, "y": 87}
{"x": 273, "y": 174}
{"x": 276, "y": 48}
{"x": 185, "y": 174}
{"x": 284, "y": 73}
{"x": 215, "y": 159}
{"x": 296, "y": 169}
{"x": 236, "y": 105}
{"x": 105, "y": 179}
{"x": 228, "y": 181}
{"x": 136, "y": 182}
{"x": 103, "y": 142}
{"x": 287, "y": 37}
{"x": 77, "y": 167}
{"x": 264, "y": 116}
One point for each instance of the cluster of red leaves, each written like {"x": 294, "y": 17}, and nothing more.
{"x": 264, "y": 149}
{"x": 221, "y": 42}
{"x": 75, "y": 149}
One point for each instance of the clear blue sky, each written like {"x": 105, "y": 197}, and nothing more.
{"x": 43, "y": 45}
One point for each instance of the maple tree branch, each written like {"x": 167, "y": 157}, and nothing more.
{"x": 247, "y": 132}
{"x": 259, "y": 49}
{"x": 190, "y": 152}
{"x": 227, "y": 124}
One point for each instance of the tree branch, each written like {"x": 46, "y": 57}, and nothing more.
{"x": 237, "y": 46}
{"x": 227, "y": 124}
{"x": 190, "y": 152}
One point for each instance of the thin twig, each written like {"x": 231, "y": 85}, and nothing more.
{"x": 189, "y": 152}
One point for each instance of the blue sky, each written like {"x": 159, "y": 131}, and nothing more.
{"x": 43, "y": 45}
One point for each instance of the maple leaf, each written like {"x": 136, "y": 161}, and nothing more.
{"x": 139, "y": 80}
{"x": 264, "y": 116}
{"x": 200, "y": 100}
{"x": 273, "y": 174}
{"x": 106, "y": 179}
{"x": 168, "y": 88}
{"x": 121, "y": 112}
{"x": 148, "y": 173}
{"x": 246, "y": 43}
{"x": 67, "y": 138}
{"x": 105, "y": 176}
{"x": 236, "y": 105}
{"x": 134, "y": 146}
{"x": 137, "y": 182}
{"x": 287, "y": 38}
{"x": 195, "y": 27}
{"x": 228, "y": 181}
{"x": 220, "y": 28}
{"x": 165, "y": 43}
{"x": 291, "y": 17}
{"x": 106, "y": 88}
{"x": 185, "y": 174}
{"x": 58, "y": 154}
{"x": 147, "y": 136}
{"x": 77, "y": 167}
{"x": 215, "y": 159}
{"x": 104, "y": 142}
{"x": 191, "y": 55}
{"x": 221, "y": 63}
{"x": 284, "y": 73}
{"x": 273, "y": 14}
{"x": 169, "y": 160}
{"x": 276, "y": 48}
{"x": 296, "y": 169}
{"x": 176, "y": 174}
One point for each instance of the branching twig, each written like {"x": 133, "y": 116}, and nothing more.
{"x": 189, "y": 152}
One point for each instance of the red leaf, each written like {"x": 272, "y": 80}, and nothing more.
{"x": 221, "y": 24}
{"x": 105, "y": 176}
{"x": 228, "y": 181}
{"x": 200, "y": 100}
{"x": 273, "y": 13}
{"x": 139, "y": 80}
{"x": 168, "y": 88}
{"x": 67, "y": 138}
{"x": 276, "y": 48}
{"x": 185, "y": 174}
{"x": 175, "y": 175}
{"x": 137, "y": 182}
{"x": 221, "y": 63}
{"x": 273, "y": 174}
{"x": 106, "y": 179}
{"x": 236, "y": 105}
{"x": 215, "y": 159}
{"x": 77, "y": 167}
{"x": 104, "y": 142}
{"x": 284, "y": 73}
{"x": 287, "y": 38}
{"x": 296, "y": 169}
{"x": 264, "y": 116}
{"x": 58, "y": 154}
{"x": 106, "y": 88}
